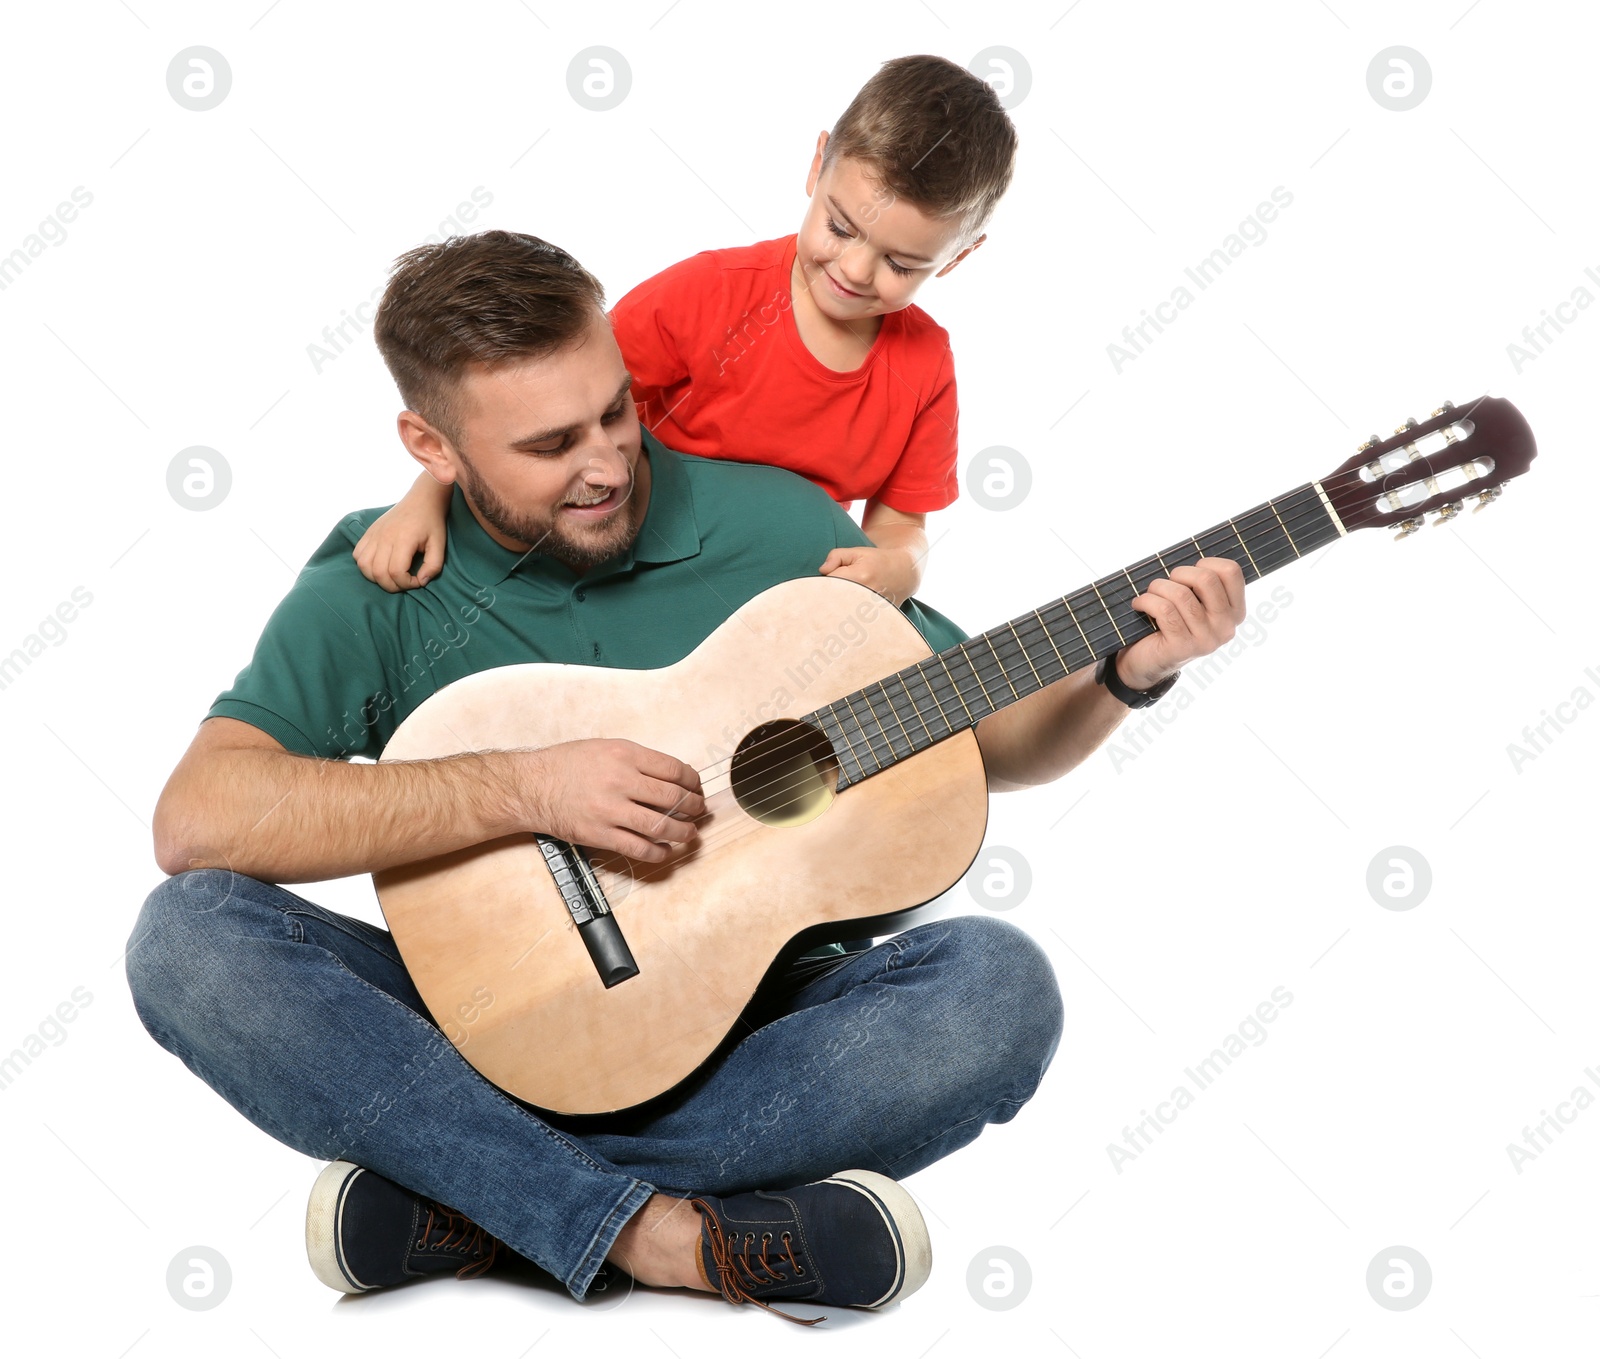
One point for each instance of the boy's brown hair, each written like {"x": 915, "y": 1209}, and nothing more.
{"x": 493, "y": 298}
{"x": 934, "y": 135}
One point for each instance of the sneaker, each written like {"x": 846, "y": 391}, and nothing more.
{"x": 364, "y": 1232}
{"x": 853, "y": 1240}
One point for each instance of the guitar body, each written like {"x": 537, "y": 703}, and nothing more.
{"x": 493, "y": 947}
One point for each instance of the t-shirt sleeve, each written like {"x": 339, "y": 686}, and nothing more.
{"x": 937, "y": 631}
{"x": 317, "y": 681}
{"x": 653, "y": 324}
{"x": 925, "y": 477}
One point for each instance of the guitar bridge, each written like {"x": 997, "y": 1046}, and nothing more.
{"x": 591, "y": 912}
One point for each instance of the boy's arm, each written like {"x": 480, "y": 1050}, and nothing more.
{"x": 415, "y": 524}
{"x": 893, "y": 564}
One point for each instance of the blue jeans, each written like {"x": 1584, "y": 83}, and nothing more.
{"x": 308, "y": 1024}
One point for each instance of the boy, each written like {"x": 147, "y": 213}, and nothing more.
{"x": 806, "y": 352}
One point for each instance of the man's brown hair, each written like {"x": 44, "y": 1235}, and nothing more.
{"x": 933, "y": 134}
{"x": 494, "y": 298}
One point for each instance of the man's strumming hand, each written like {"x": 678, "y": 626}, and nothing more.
{"x": 613, "y": 795}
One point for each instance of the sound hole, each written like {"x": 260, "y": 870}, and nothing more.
{"x": 784, "y": 773}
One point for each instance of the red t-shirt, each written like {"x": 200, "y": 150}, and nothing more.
{"x": 719, "y": 369}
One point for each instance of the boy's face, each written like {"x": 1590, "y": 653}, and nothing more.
{"x": 864, "y": 252}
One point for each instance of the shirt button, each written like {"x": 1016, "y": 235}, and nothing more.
{"x": 578, "y": 595}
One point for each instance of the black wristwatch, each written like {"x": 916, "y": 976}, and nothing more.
{"x": 1106, "y": 673}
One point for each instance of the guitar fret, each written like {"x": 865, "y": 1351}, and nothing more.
{"x": 1053, "y": 647}
{"x": 1102, "y": 600}
{"x": 991, "y": 641}
{"x": 1307, "y": 508}
{"x": 889, "y": 723}
{"x": 1158, "y": 571}
{"x": 1274, "y": 505}
{"x": 967, "y": 657}
{"x": 1037, "y": 649}
{"x": 1270, "y": 540}
{"x": 834, "y": 729}
{"x": 1079, "y": 605}
{"x": 916, "y": 708}
{"x": 872, "y": 749}
{"x": 920, "y": 671}
{"x": 956, "y": 688}
{"x": 866, "y": 757}
{"x": 1026, "y": 641}
{"x": 1087, "y": 646}
{"x": 1246, "y": 547}
{"x": 899, "y": 716}
{"x": 1071, "y": 646}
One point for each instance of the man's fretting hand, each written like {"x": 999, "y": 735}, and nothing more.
{"x": 1197, "y": 608}
{"x": 613, "y": 795}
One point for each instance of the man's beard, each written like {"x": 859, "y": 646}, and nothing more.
{"x": 572, "y": 546}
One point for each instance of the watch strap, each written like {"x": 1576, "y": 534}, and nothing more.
{"x": 1106, "y": 673}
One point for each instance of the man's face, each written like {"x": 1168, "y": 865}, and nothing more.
{"x": 548, "y": 451}
{"x": 864, "y": 252}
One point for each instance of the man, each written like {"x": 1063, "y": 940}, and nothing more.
{"x": 574, "y": 537}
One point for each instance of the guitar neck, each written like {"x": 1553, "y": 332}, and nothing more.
{"x": 906, "y": 712}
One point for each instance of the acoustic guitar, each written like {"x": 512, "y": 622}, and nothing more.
{"x": 842, "y": 778}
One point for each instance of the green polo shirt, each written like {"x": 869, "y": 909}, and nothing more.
{"x": 342, "y": 662}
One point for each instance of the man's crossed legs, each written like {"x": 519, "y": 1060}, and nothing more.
{"x": 307, "y": 1023}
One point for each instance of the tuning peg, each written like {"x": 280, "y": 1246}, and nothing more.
{"x": 1445, "y": 406}
{"x": 1448, "y": 511}
{"x": 1409, "y": 526}
{"x": 1372, "y": 442}
{"x": 1487, "y": 497}
{"x": 1409, "y": 424}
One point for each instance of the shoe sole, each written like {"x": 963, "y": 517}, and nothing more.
{"x": 324, "y": 1214}
{"x": 904, "y": 1221}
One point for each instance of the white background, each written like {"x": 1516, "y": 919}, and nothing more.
{"x": 1174, "y": 890}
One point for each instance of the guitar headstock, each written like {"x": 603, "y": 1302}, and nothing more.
{"x": 1458, "y": 453}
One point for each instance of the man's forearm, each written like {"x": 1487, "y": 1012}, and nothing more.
{"x": 290, "y": 818}
{"x": 1041, "y": 737}
{"x": 1195, "y": 610}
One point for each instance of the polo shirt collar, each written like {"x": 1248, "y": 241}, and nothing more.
{"x": 669, "y": 533}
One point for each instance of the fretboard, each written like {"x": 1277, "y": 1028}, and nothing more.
{"x": 923, "y": 704}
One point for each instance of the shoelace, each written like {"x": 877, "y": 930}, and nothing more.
{"x": 464, "y": 1236}
{"x": 736, "y": 1273}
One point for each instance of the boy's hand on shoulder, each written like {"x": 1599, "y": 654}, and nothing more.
{"x": 891, "y": 571}
{"x": 391, "y": 544}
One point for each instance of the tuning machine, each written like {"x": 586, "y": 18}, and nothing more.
{"x": 1448, "y": 511}
{"x": 1449, "y": 430}
{"x": 1488, "y": 497}
{"x": 1409, "y": 526}
{"x": 1373, "y": 469}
